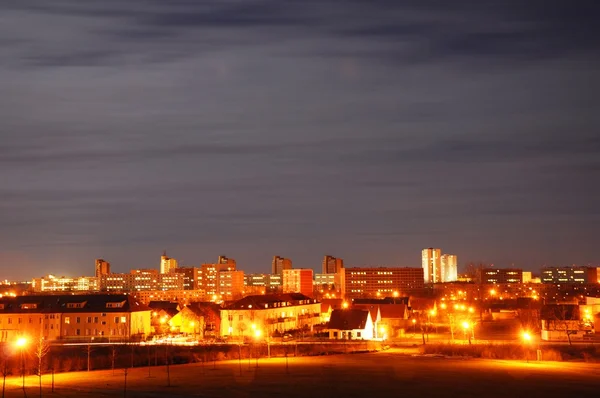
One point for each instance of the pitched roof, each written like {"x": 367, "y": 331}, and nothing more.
{"x": 269, "y": 301}
{"x": 348, "y": 319}
{"x": 68, "y": 303}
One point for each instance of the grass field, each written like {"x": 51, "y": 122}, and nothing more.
{"x": 390, "y": 373}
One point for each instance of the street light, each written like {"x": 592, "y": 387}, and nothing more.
{"x": 527, "y": 339}
{"x": 345, "y": 305}
{"x": 466, "y": 325}
{"x": 414, "y": 322}
{"x": 21, "y": 343}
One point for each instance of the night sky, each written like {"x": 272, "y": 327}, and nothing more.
{"x": 363, "y": 129}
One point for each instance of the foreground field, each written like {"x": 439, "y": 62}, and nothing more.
{"x": 353, "y": 375}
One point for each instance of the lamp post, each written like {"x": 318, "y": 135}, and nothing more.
{"x": 466, "y": 325}
{"x": 414, "y": 322}
{"x": 526, "y": 339}
{"x": 257, "y": 334}
{"x": 21, "y": 343}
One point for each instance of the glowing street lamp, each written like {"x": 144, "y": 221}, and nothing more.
{"x": 345, "y": 305}
{"x": 526, "y": 336}
{"x": 414, "y": 322}
{"x": 466, "y": 325}
{"x": 443, "y": 306}
{"x": 21, "y": 343}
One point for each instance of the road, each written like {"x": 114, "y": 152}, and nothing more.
{"x": 389, "y": 373}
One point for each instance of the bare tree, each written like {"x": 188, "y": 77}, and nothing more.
{"x": 113, "y": 357}
{"x": 41, "y": 349}
{"x": 563, "y": 317}
{"x": 3, "y": 367}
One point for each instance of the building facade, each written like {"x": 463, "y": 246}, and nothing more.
{"x": 332, "y": 265}
{"x": 432, "y": 265}
{"x": 101, "y": 267}
{"x": 269, "y": 314}
{"x": 499, "y": 275}
{"x": 167, "y": 264}
{"x": 279, "y": 264}
{"x": 271, "y": 282}
{"x": 95, "y": 317}
{"x": 51, "y": 283}
{"x": 558, "y": 275}
{"x": 382, "y": 281}
{"x": 298, "y": 281}
{"x": 449, "y": 267}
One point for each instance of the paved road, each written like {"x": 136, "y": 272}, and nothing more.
{"x": 383, "y": 374}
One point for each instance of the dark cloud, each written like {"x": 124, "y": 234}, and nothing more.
{"x": 251, "y": 128}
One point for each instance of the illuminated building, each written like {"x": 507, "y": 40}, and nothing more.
{"x": 101, "y": 267}
{"x": 192, "y": 277}
{"x": 221, "y": 279}
{"x": 269, "y": 313}
{"x": 351, "y": 324}
{"x": 527, "y": 278}
{"x": 141, "y": 279}
{"x": 449, "y": 267}
{"x": 230, "y": 284}
{"x": 51, "y": 283}
{"x": 181, "y": 296}
{"x": 558, "y": 275}
{"x": 298, "y": 281}
{"x": 271, "y": 282}
{"x": 383, "y": 281}
{"x": 167, "y": 264}
{"x": 279, "y": 264}
{"x": 332, "y": 265}
{"x": 432, "y": 265}
{"x": 499, "y": 275}
{"x": 74, "y": 317}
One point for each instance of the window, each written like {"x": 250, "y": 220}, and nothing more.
{"x": 95, "y": 319}
{"x": 357, "y": 334}
{"x": 89, "y": 319}
{"x": 116, "y": 319}
{"x": 20, "y": 320}
{"x": 123, "y": 319}
{"x": 31, "y": 320}
{"x": 67, "y": 320}
{"x": 241, "y": 318}
{"x": 78, "y": 320}
{"x": 78, "y": 332}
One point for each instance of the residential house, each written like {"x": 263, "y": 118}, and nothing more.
{"x": 351, "y": 324}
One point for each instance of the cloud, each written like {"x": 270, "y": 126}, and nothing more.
{"x": 370, "y": 129}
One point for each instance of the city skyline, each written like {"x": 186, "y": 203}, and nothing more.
{"x": 368, "y": 131}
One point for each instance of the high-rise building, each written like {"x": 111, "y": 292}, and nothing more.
{"x": 221, "y": 279}
{"x": 167, "y": 264}
{"x": 332, "y": 265}
{"x": 226, "y": 264}
{"x": 102, "y": 267}
{"x": 230, "y": 285}
{"x": 432, "y": 265}
{"x": 298, "y": 281}
{"x": 279, "y": 264}
{"x": 449, "y": 267}
{"x": 382, "y": 281}
{"x": 192, "y": 277}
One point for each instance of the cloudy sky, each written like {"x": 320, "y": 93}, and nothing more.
{"x": 363, "y": 129}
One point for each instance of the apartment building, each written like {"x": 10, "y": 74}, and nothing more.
{"x": 84, "y": 317}
{"x": 381, "y": 281}
{"x": 269, "y": 313}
